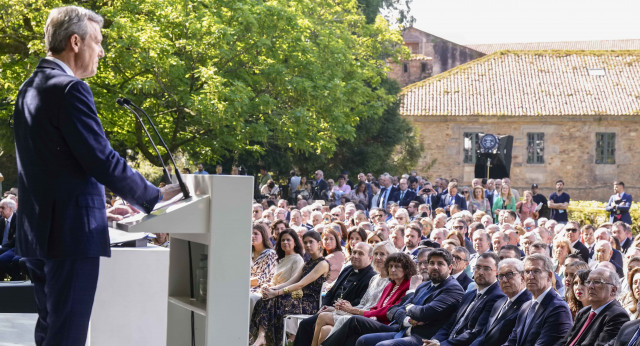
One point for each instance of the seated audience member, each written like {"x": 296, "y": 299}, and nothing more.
{"x": 526, "y": 240}
{"x": 570, "y": 270}
{"x": 354, "y": 236}
{"x": 587, "y": 236}
{"x": 561, "y": 249}
{"x": 299, "y": 295}
{"x": 374, "y": 238}
{"x": 578, "y": 298}
{"x": 400, "y": 268}
{"x": 9, "y": 261}
{"x": 350, "y": 287}
{"x": 277, "y": 227}
{"x": 599, "y": 323}
{"x": 263, "y": 258}
{"x": 419, "y": 316}
{"x": 331, "y": 318}
{"x": 397, "y": 236}
{"x": 572, "y": 233}
{"x": 502, "y": 318}
{"x": 451, "y": 199}
{"x": 290, "y": 262}
{"x": 603, "y": 253}
{"x": 543, "y": 249}
{"x": 632, "y": 296}
{"x": 332, "y": 252}
{"x": 451, "y": 243}
{"x": 546, "y": 319}
{"x": 460, "y": 257}
{"x": 473, "y": 315}
{"x": 616, "y": 256}
{"x": 412, "y": 241}
{"x": 509, "y": 251}
{"x": 438, "y": 235}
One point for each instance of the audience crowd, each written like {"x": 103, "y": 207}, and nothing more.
{"x": 406, "y": 261}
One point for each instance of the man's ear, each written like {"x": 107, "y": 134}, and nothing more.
{"x": 75, "y": 41}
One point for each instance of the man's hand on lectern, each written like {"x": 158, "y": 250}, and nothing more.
{"x": 170, "y": 191}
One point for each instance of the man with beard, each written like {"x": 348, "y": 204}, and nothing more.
{"x": 420, "y": 312}
{"x": 412, "y": 241}
{"x": 476, "y": 305}
{"x": 558, "y": 203}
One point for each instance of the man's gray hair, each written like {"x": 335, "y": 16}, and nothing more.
{"x": 9, "y": 203}
{"x": 64, "y": 22}
{"x": 547, "y": 264}
{"x": 516, "y": 263}
{"x": 463, "y": 250}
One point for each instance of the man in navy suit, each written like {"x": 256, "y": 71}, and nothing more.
{"x": 451, "y": 198}
{"x": 473, "y": 315}
{"x": 64, "y": 159}
{"x": 418, "y": 314}
{"x": 572, "y": 232}
{"x": 629, "y": 334}
{"x": 599, "y": 323}
{"x": 505, "y": 312}
{"x": 622, "y": 231}
{"x": 9, "y": 262}
{"x": 545, "y": 319}
{"x": 460, "y": 257}
{"x": 619, "y": 204}
{"x": 403, "y": 195}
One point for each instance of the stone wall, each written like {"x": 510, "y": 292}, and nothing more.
{"x": 416, "y": 70}
{"x": 569, "y": 152}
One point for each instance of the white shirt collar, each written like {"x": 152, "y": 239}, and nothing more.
{"x": 10, "y": 217}
{"x": 509, "y": 300}
{"x": 64, "y": 66}
{"x": 481, "y": 292}
{"x": 541, "y": 297}
{"x": 455, "y": 276}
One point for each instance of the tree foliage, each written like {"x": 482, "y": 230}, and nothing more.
{"x": 222, "y": 79}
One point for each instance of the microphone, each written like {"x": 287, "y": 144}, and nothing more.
{"x": 183, "y": 187}
{"x": 166, "y": 177}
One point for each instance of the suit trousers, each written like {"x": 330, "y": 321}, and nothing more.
{"x": 64, "y": 291}
{"x": 354, "y": 328}
{"x": 306, "y": 328}
{"x": 9, "y": 264}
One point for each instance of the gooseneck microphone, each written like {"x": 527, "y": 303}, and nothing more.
{"x": 127, "y": 103}
{"x": 166, "y": 177}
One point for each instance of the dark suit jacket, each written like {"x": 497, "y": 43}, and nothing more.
{"x": 442, "y": 301}
{"x": 603, "y": 328}
{"x": 11, "y": 240}
{"x": 625, "y": 334}
{"x": 551, "y": 322}
{"x": 464, "y": 280}
{"x": 459, "y": 200}
{"x": 354, "y": 292}
{"x": 621, "y": 213}
{"x": 474, "y": 317}
{"x": 582, "y": 250}
{"x": 616, "y": 260}
{"x": 497, "y": 330}
{"x": 392, "y": 191}
{"x": 408, "y": 197}
{"x": 318, "y": 188}
{"x": 64, "y": 159}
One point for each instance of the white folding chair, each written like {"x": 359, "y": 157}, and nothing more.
{"x": 290, "y": 322}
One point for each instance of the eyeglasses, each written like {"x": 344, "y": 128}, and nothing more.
{"x": 458, "y": 227}
{"x": 458, "y": 258}
{"x": 465, "y": 192}
{"x": 508, "y": 275}
{"x": 423, "y": 264}
{"x": 572, "y": 230}
{"x": 596, "y": 283}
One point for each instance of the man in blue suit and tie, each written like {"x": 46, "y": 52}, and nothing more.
{"x": 546, "y": 319}
{"x": 64, "y": 162}
{"x": 403, "y": 195}
{"x": 503, "y": 317}
{"x": 452, "y": 197}
{"x": 472, "y": 317}
{"x": 619, "y": 204}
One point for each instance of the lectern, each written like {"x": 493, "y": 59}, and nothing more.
{"x": 215, "y": 221}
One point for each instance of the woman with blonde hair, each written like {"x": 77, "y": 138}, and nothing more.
{"x": 527, "y": 208}
{"x": 477, "y": 201}
{"x": 561, "y": 249}
{"x": 504, "y": 201}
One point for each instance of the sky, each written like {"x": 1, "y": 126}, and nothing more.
{"x": 503, "y": 21}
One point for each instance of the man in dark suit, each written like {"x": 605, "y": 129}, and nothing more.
{"x": 460, "y": 257}
{"x": 428, "y": 196}
{"x": 545, "y": 319}
{"x": 629, "y": 335}
{"x": 403, "y": 195}
{"x": 387, "y": 191}
{"x": 9, "y": 262}
{"x": 421, "y": 311}
{"x": 473, "y": 315}
{"x": 619, "y": 204}
{"x": 320, "y": 186}
{"x": 350, "y": 285}
{"x": 572, "y": 229}
{"x": 599, "y": 323}
{"x": 605, "y": 234}
{"x": 505, "y": 312}
{"x": 451, "y": 198}
{"x": 622, "y": 231}
{"x": 64, "y": 158}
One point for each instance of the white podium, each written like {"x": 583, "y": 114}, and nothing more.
{"x": 215, "y": 221}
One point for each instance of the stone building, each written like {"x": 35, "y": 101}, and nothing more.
{"x": 430, "y": 55}
{"x": 574, "y": 115}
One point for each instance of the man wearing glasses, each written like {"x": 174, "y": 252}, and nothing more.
{"x": 460, "y": 262}
{"x": 473, "y": 315}
{"x": 546, "y": 318}
{"x": 572, "y": 232}
{"x": 460, "y": 226}
{"x": 503, "y": 317}
{"x": 599, "y": 323}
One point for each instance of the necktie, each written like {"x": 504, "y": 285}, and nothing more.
{"x": 382, "y": 194}
{"x": 530, "y": 313}
{"x": 504, "y": 308}
{"x": 463, "y": 317}
{"x": 635, "y": 337}
{"x": 5, "y": 234}
{"x": 401, "y": 195}
{"x": 592, "y": 315}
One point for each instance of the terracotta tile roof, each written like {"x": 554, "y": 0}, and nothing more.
{"x": 633, "y": 44}
{"x": 530, "y": 83}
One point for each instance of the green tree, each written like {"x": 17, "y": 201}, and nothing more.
{"x": 222, "y": 79}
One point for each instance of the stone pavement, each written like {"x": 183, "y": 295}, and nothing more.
{"x": 17, "y": 329}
